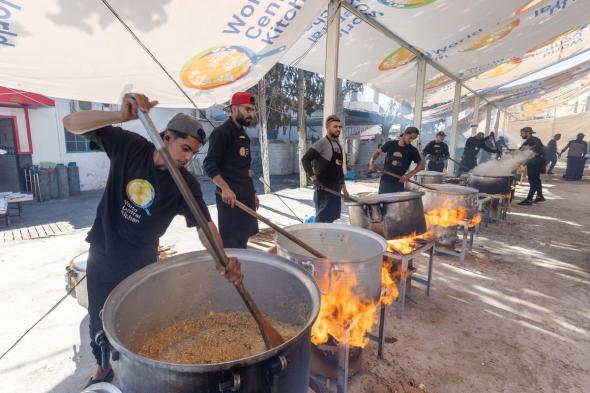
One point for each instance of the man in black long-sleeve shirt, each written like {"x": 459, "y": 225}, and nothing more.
{"x": 437, "y": 151}
{"x": 323, "y": 164}
{"x": 552, "y": 153}
{"x": 228, "y": 165}
{"x": 534, "y": 165}
{"x": 472, "y": 147}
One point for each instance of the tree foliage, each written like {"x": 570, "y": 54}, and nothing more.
{"x": 281, "y": 95}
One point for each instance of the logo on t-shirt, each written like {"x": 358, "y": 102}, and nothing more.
{"x": 397, "y": 154}
{"x": 141, "y": 193}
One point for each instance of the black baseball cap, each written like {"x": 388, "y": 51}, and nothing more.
{"x": 441, "y": 133}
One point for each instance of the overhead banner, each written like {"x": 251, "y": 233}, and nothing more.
{"x": 79, "y": 50}
{"x": 486, "y": 43}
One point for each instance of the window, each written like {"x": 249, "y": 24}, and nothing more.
{"x": 76, "y": 143}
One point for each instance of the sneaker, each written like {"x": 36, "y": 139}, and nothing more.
{"x": 539, "y": 199}
{"x": 525, "y": 202}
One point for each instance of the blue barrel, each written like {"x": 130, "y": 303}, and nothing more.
{"x": 74, "y": 178}
{"x": 62, "y": 181}
{"x": 53, "y": 186}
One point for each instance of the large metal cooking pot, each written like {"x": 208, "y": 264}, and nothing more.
{"x": 390, "y": 215}
{"x": 347, "y": 248}
{"x": 494, "y": 185}
{"x": 188, "y": 285}
{"x": 429, "y": 177}
{"x": 452, "y": 197}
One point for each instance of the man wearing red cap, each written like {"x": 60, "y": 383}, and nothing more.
{"x": 228, "y": 165}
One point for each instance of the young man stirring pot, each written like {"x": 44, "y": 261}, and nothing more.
{"x": 139, "y": 202}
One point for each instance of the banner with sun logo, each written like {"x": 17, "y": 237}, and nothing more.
{"x": 81, "y": 51}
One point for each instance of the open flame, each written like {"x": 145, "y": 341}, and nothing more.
{"x": 402, "y": 245}
{"x": 344, "y": 315}
{"x": 389, "y": 291}
{"x": 445, "y": 216}
{"x": 475, "y": 220}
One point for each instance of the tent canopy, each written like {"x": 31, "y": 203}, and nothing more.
{"x": 83, "y": 52}
{"x": 14, "y": 96}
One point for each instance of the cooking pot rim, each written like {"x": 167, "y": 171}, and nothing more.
{"x": 279, "y": 239}
{"x": 492, "y": 177}
{"x": 203, "y": 256}
{"x": 393, "y": 197}
{"x": 452, "y": 189}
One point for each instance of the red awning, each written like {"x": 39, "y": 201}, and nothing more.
{"x": 14, "y": 96}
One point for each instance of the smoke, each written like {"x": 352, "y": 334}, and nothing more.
{"x": 504, "y": 166}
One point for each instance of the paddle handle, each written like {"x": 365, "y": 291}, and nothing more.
{"x": 409, "y": 180}
{"x": 280, "y": 230}
{"x": 346, "y": 198}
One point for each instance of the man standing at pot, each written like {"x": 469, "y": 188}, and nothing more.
{"x": 576, "y": 158}
{"x": 399, "y": 155}
{"x": 138, "y": 204}
{"x": 472, "y": 147}
{"x": 534, "y": 165}
{"x": 228, "y": 165}
{"x": 323, "y": 164}
{"x": 437, "y": 151}
{"x": 552, "y": 153}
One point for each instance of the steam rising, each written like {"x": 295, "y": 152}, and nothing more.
{"x": 505, "y": 166}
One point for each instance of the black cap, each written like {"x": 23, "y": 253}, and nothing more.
{"x": 331, "y": 119}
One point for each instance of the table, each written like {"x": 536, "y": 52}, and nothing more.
{"x": 13, "y": 198}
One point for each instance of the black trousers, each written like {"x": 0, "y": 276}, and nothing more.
{"x": 552, "y": 163}
{"x": 327, "y": 206}
{"x": 436, "y": 166}
{"x": 387, "y": 186}
{"x": 534, "y": 174}
{"x": 101, "y": 279}
{"x": 575, "y": 168}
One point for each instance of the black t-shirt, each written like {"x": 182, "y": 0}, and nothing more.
{"x": 398, "y": 159}
{"x": 139, "y": 201}
{"x": 438, "y": 151}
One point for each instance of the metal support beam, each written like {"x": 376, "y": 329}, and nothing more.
{"x": 454, "y": 127}
{"x": 488, "y": 119}
{"x": 331, "y": 67}
{"x": 497, "y": 122}
{"x": 419, "y": 101}
{"x": 263, "y": 134}
{"x": 301, "y": 126}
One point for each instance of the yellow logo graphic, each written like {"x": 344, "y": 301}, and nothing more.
{"x": 396, "y": 59}
{"x": 437, "y": 81}
{"x": 493, "y": 37}
{"x": 220, "y": 66}
{"x": 553, "y": 40}
{"x": 406, "y": 4}
{"x": 535, "y": 107}
{"x": 243, "y": 151}
{"x": 501, "y": 69}
{"x": 397, "y": 154}
{"x": 530, "y": 4}
{"x": 141, "y": 193}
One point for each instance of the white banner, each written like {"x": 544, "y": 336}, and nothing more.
{"x": 73, "y": 49}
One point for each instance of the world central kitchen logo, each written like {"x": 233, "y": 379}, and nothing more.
{"x": 222, "y": 65}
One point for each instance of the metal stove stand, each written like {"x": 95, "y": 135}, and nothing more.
{"x": 467, "y": 237}
{"x": 504, "y": 204}
{"x": 405, "y": 281}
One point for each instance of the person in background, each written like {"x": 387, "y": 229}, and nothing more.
{"x": 501, "y": 145}
{"x": 436, "y": 152}
{"x": 323, "y": 164}
{"x": 472, "y": 147}
{"x": 399, "y": 155}
{"x": 228, "y": 165}
{"x": 552, "y": 153}
{"x": 576, "y": 158}
{"x": 534, "y": 165}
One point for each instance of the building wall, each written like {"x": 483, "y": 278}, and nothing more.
{"x": 48, "y": 139}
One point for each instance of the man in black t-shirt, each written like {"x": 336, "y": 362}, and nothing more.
{"x": 399, "y": 155}
{"x": 534, "y": 165}
{"x": 139, "y": 202}
{"x": 437, "y": 151}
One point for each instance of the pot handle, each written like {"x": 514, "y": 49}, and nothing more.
{"x": 309, "y": 267}
{"x": 233, "y": 385}
{"x": 335, "y": 268}
{"x": 275, "y": 368}
{"x": 374, "y": 212}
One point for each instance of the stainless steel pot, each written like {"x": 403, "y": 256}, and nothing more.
{"x": 390, "y": 215}
{"x": 429, "y": 177}
{"x": 494, "y": 185}
{"x": 75, "y": 277}
{"x": 451, "y": 196}
{"x": 188, "y": 285}
{"x": 347, "y": 248}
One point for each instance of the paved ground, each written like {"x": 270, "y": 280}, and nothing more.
{"x": 514, "y": 319}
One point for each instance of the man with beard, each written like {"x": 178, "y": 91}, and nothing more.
{"x": 534, "y": 166}
{"x": 437, "y": 152}
{"x": 228, "y": 165}
{"x": 472, "y": 147}
{"x": 323, "y": 164}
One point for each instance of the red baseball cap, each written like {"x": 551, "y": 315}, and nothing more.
{"x": 241, "y": 98}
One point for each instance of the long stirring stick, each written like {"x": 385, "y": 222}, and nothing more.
{"x": 271, "y": 337}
